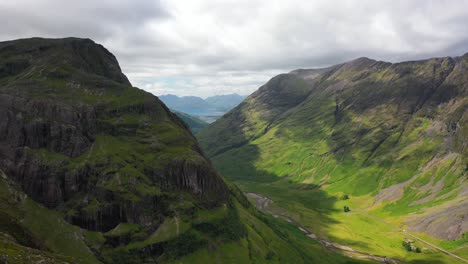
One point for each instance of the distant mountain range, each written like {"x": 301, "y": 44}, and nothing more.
{"x": 212, "y": 106}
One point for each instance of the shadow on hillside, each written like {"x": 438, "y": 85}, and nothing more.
{"x": 363, "y": 123}
{"x": 307, "y": 204}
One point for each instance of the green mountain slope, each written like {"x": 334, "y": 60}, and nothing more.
{"x": 94, "y": 170}
{"x": 195, "y": 124}
{"x": 393, "y": 137}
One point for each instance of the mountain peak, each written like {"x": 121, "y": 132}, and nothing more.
{"x": 363, "y": 59}
{"x": 55, "y": 58}
{"x": 361, "y": 62}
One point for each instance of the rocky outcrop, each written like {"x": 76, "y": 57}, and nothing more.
{"x": 46, "y": 124}
{"x": 42, "y": 124}
{"x": 192, "y": 176}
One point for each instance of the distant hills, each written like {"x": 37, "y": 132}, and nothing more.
{"x": 197, "y": 106}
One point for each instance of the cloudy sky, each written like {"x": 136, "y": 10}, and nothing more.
{"x": 207, "y": 47}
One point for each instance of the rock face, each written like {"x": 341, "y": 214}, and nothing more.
{"x": 397, "y": 132}
{"x": 56, "y": 127}
{"x": 74, "y": 134}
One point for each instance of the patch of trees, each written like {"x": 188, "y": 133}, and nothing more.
{"x": 346, "y": 209}
{"x": 408, "y": 245}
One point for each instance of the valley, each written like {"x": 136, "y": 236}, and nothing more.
{"x": 263, "y": 204}
{"x": 266, "y": 205}
{"x": 233, "y": 132}
{"x": 94, "y": 170}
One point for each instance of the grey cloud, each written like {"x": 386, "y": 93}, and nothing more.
{"x": 222, "y": 46}
{"x": 86, "y": 18}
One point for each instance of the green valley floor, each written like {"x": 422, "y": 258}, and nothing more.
{"x": 364, "y": 228}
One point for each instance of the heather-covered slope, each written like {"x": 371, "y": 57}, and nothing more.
{"x": 94, "y": 170}
{"x": 393, "y": 137}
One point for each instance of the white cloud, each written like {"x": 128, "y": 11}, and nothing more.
{"x": 204, "y": 47}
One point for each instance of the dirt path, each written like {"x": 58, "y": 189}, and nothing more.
{"x": 436, "y": 247}
{"x": 263, "y": 202}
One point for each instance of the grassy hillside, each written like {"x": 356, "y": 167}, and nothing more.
{"x": 391, "y": 137}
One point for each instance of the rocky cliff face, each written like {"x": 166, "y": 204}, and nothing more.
{"x": 30, "y": 125}
{"x": 77, "y": 137}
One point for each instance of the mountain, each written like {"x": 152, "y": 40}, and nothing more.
{"x": 208, "y": 109}
{"x": 93, "y": 170}
{"x": 385, "y": 141}
{"x": 195, "y": 124}
{"x": 225, "y": 102}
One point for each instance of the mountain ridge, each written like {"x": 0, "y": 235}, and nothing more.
{"x": 356, "y": 62}
{"x": 365, "y": 128}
